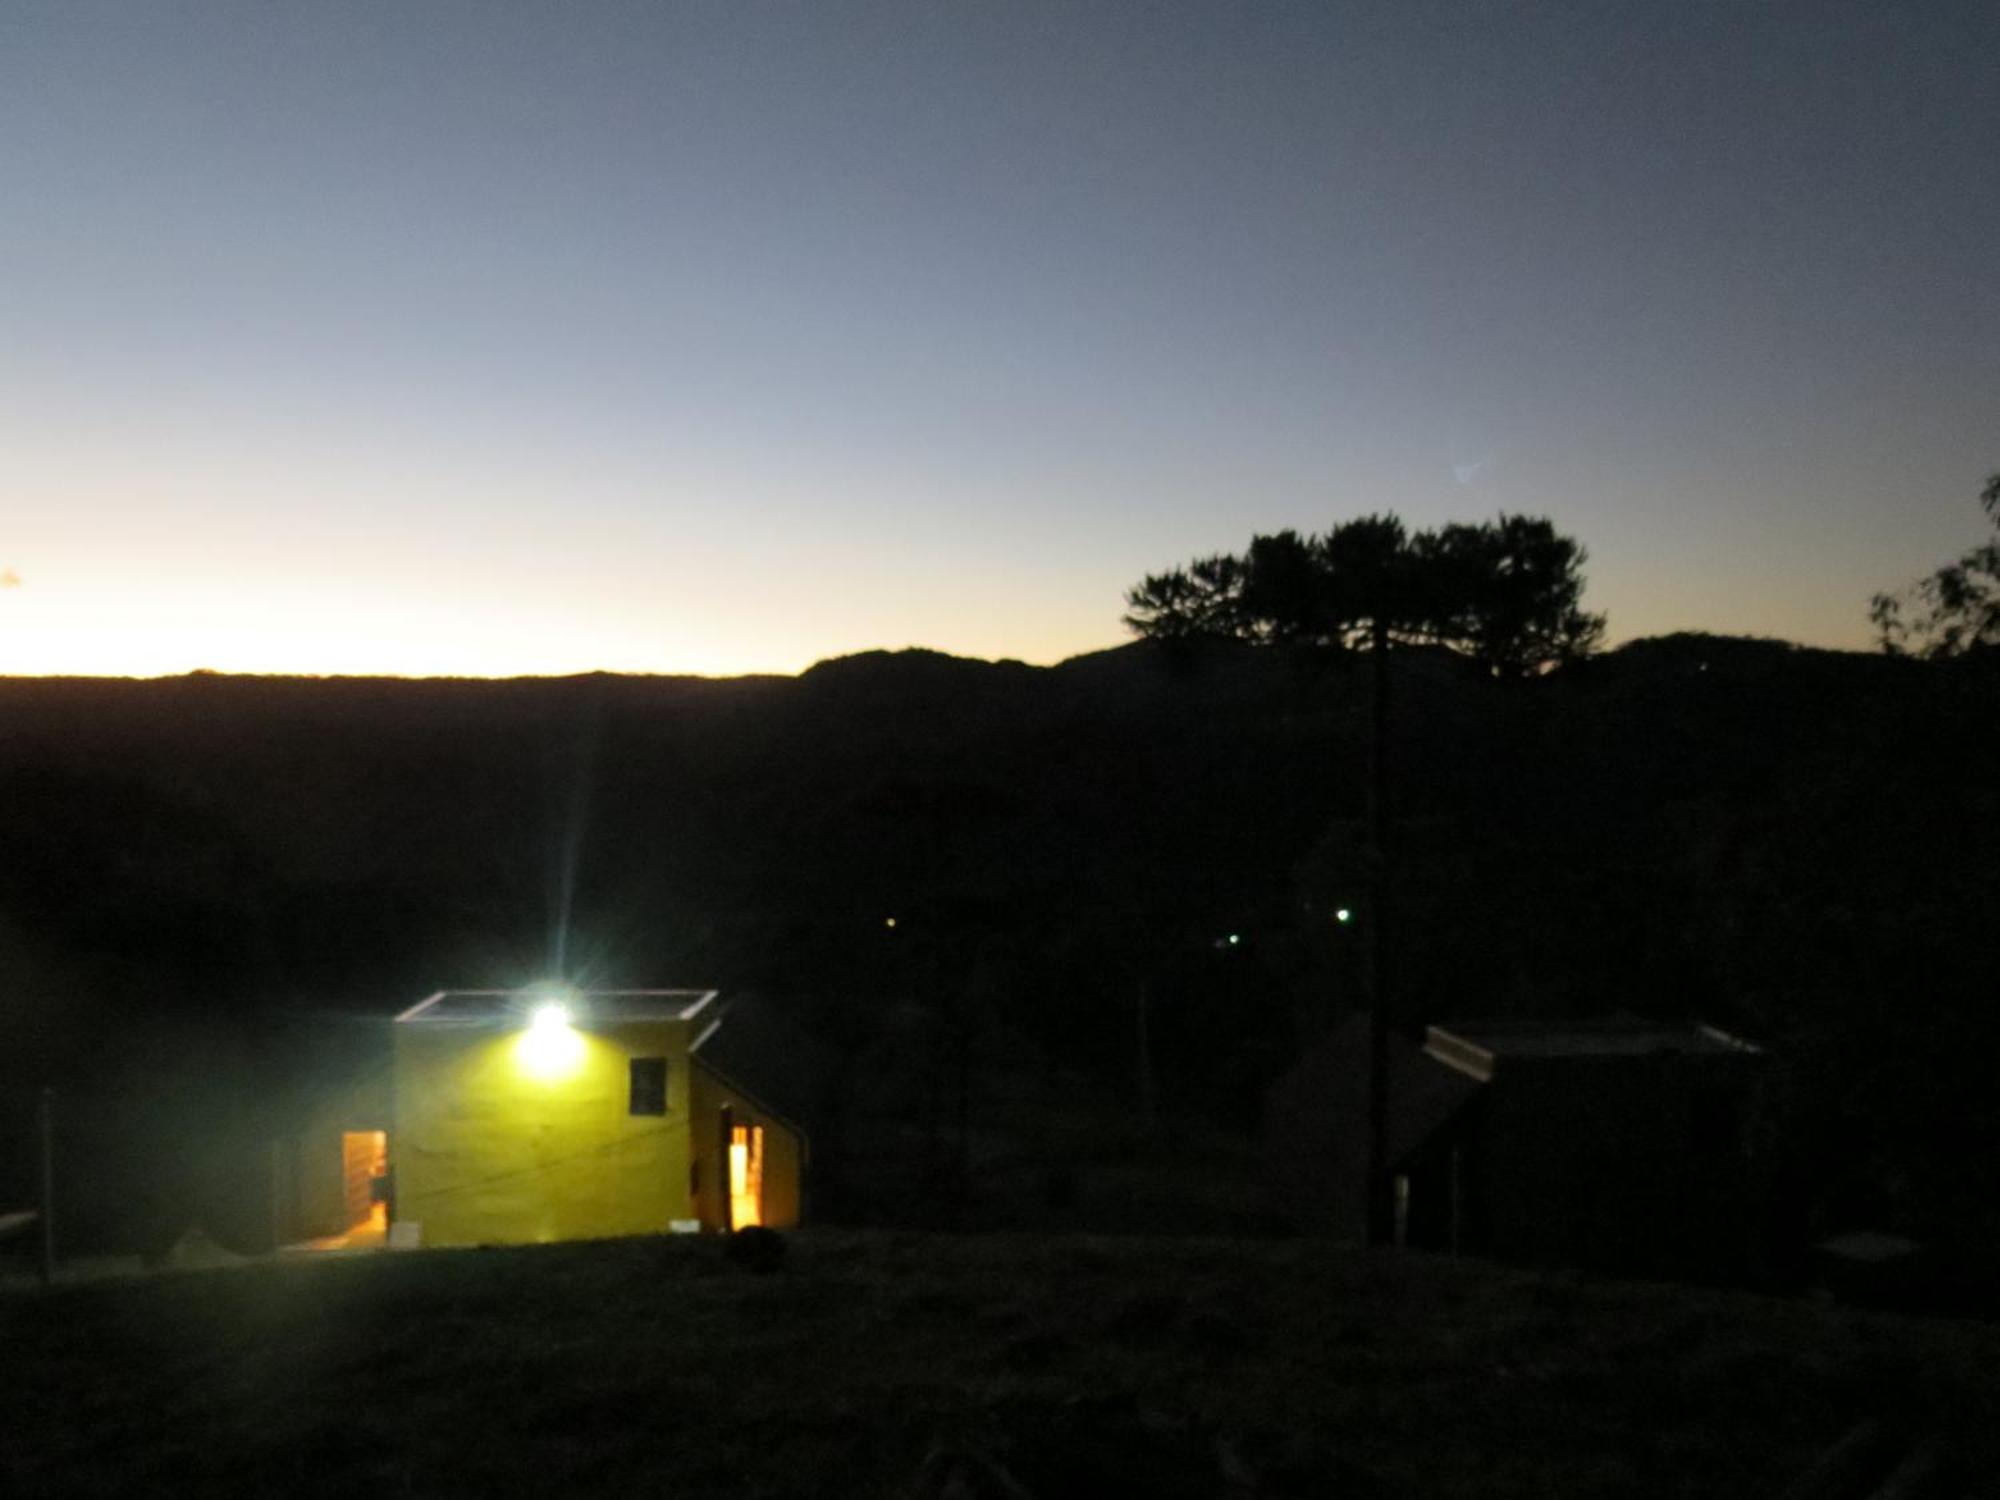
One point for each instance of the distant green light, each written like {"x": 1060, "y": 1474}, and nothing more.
{"x": 1234, "y": 939}
{"x": 1343, "y": 915}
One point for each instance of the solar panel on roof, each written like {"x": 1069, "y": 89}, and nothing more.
{"x": 514, "y": 1007}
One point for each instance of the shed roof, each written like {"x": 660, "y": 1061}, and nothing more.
{"x": 513, "y": 1007}
{"x": 1474, "y": 1047}
{"x": 1316, "y": 1120}
{"x": 1335, "y": 1078}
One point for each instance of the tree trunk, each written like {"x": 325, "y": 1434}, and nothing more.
{"x": 1381, "y": 1189}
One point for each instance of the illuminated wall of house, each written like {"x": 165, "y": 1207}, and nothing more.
{"x": 524, "y": 1135}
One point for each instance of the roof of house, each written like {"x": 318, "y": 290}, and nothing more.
{"x": 750, "y": 1044}
{"x": 758, "y": 1051}
{"x": 514, "y": 1007}
{"x": 1476, "y": 1047}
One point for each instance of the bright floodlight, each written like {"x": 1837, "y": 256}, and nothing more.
{"x": 551, "y": 1048}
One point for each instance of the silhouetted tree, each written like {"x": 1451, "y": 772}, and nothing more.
{"x": 1507, "y": 594}
{"x": 1954, "y": 610}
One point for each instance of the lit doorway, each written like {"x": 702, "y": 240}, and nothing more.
{"x": 364, "y": 1168}
{"x": 746, "y": 1175}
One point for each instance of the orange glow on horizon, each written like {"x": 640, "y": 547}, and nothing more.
{"x": 82, "y": 637}
{"x": 297, "y": 633}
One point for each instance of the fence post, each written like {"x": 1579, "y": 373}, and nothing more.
{"x": 277, "y": 1194}
{"x": 45, "y": 1130}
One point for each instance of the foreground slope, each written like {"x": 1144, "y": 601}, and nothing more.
{"x": 882, "y": 1364}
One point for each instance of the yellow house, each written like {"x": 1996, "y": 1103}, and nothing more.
{"x": 525, "y": 1116}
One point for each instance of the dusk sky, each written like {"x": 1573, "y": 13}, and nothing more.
{"x": 512, "y": 338}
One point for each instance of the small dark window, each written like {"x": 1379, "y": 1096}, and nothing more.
{"x": 649, "y": 1085}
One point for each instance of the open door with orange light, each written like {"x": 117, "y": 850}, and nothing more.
{"x": 364, "y": 1163}
{"x": 746, "y": 1175}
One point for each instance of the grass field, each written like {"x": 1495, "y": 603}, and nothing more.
{"x": 878, "y": 1364}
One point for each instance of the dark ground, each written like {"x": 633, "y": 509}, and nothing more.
{"x": 902, "y": 1364}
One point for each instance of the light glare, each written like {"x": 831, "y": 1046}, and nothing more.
{"x": 550, "y": 1049}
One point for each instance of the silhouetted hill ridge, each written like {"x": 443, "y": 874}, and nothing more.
{"x": 1802, "y": 844}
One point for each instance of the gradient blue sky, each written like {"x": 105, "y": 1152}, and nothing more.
{"x": 493, "y": 338}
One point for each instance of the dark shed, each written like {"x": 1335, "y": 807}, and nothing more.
{"x": 1618, "y": 1143}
